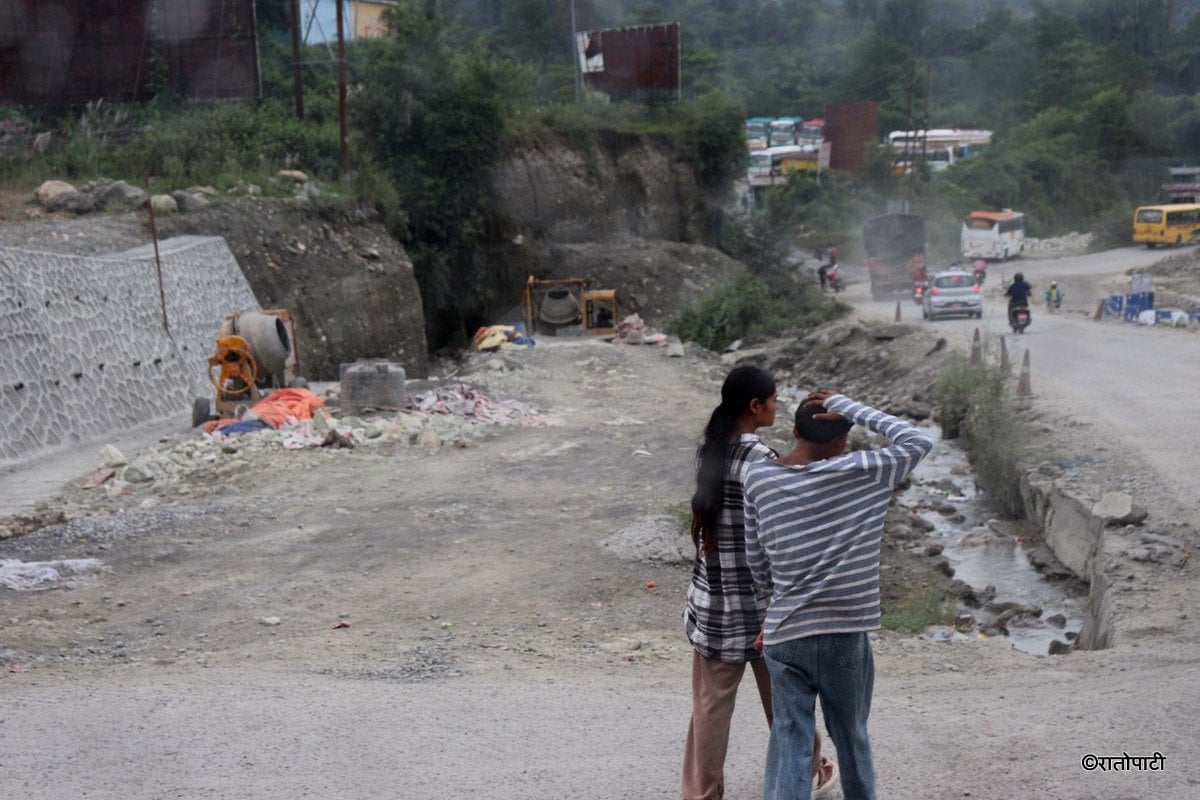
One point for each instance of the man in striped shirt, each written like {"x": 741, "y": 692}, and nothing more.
{"x": 814, "y": 521}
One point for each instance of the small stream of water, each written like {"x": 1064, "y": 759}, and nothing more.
{"x": 986, "y": 552}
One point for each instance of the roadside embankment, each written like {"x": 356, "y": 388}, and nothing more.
{"x": 97, "y": 344}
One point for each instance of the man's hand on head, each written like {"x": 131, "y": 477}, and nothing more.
{"x": 818, "y": 398}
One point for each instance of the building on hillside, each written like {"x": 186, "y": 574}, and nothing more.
{"x": 366, "y": 18}
{"x": 72, "y": 52}
{"x": 1184, "y": 186}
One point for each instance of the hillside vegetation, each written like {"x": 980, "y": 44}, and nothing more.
{"x": 1090, "y": 100}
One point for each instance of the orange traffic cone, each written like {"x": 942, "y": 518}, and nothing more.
{"x": 976, "y": 349}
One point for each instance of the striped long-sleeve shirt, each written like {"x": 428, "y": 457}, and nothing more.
{"x": 813, "y": 532}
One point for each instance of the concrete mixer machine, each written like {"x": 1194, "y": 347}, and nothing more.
{"x": 255, "y": 352}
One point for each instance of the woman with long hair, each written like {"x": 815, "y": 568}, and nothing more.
{"x": 724, "y": 610}
{"x": 724, "y": 613}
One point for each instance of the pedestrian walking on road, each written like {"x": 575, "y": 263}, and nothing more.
{"x": 725, "y": 609}
{"x": 814, "y": 522}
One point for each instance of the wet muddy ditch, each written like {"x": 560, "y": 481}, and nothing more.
{"x": 1039, "y": 608}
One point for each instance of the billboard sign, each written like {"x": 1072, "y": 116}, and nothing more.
{"x": 75, "y": 51}
{"x": 638, "y": 63}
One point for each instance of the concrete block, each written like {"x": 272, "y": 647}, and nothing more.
{"x": 372, "y": 383}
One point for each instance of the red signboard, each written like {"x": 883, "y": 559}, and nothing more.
{"x": 73, "y": 51}
{"x": 638, "y": 63}
{"x": 850, "y": 128}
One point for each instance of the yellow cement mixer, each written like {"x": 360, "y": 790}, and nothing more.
{"x": 255, "y": 352}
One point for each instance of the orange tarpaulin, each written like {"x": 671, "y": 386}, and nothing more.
{"x": 284, "y": 404}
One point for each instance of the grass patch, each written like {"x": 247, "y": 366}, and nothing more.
{"x": 681, "y": 514}
{"x": 919, "y": 609}
{"x": 976, "y": 403}
{"x": 753, "y": 306}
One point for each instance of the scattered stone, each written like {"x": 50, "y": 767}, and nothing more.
{"x": 1118, "y": 508}
{"x": 1059, "y": 648}
{"x": 1020, "y": 613}
{"x": 49, "y": 190}
{"x": 164, "y": 204}
{"x": 110, "y": 456}
{"x": 293, "y": 175}
{"x": 675, "y": 350}
{"x": 942, "y": 565}
{"x": 622, "y": 646}
{"x": 138, "y": 472}
{"x": 120, "y": 194}
{"x": 269, "y": 621}
{"x": 188, "y": 202}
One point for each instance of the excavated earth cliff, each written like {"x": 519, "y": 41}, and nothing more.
{"x": 625, "y": 213}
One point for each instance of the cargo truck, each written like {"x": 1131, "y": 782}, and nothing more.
{"x": 895, "y": 245}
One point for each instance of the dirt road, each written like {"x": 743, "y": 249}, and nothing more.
{"x": 496, "y": 647}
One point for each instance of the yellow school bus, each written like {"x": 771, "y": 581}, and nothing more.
{"x": 1175, "y": 224}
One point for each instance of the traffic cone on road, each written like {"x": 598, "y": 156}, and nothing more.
{"x": 976, "y": 349}
{"x": 1023, "y": 387}
{"x": 1003, "y": 355}
{"x": 897, "y": 311}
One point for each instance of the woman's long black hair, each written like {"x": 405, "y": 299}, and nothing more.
{"x": 742, "y": 385}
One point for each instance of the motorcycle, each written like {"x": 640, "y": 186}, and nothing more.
{"x": 918, "y": 293}
{"x": 979, "y": 271}
{"x": 1018, "y": 317}
{"x": 835, "y": 280}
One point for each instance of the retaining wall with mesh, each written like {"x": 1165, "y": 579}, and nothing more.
{"x": 83, "y": 349}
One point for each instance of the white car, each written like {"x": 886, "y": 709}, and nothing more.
{"x": 951, "y": 292}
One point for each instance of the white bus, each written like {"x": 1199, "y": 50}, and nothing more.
{"x": 939, "y": 148}
{"x": 996, "y": 235}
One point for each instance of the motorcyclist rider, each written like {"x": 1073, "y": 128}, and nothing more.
{"x": 1017, "y": 293}
{"x": 1054, "y": 296}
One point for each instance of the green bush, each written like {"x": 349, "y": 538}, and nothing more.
{"x": 750, "y": 306}
{"x": 976, "y": 403}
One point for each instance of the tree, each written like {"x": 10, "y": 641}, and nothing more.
{"x": 431, "y": 112}
{"x": 1108, "y": 123}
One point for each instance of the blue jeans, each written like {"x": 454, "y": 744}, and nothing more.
{"x": 840, "y": 669}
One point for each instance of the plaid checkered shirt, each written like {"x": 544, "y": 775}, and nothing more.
{"x": 725, "y": 609}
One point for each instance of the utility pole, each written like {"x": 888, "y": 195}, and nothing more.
{"x": 575, "y": 57}
{"x": 925, "y": 124}
{"x": 910, "y": 139}
{"x": 341, "y": 55}
{"x": 297, "y": 84}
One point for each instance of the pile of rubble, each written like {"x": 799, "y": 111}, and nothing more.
{"x": 452, "y": 415}
{"x": 1073, "y": 244}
